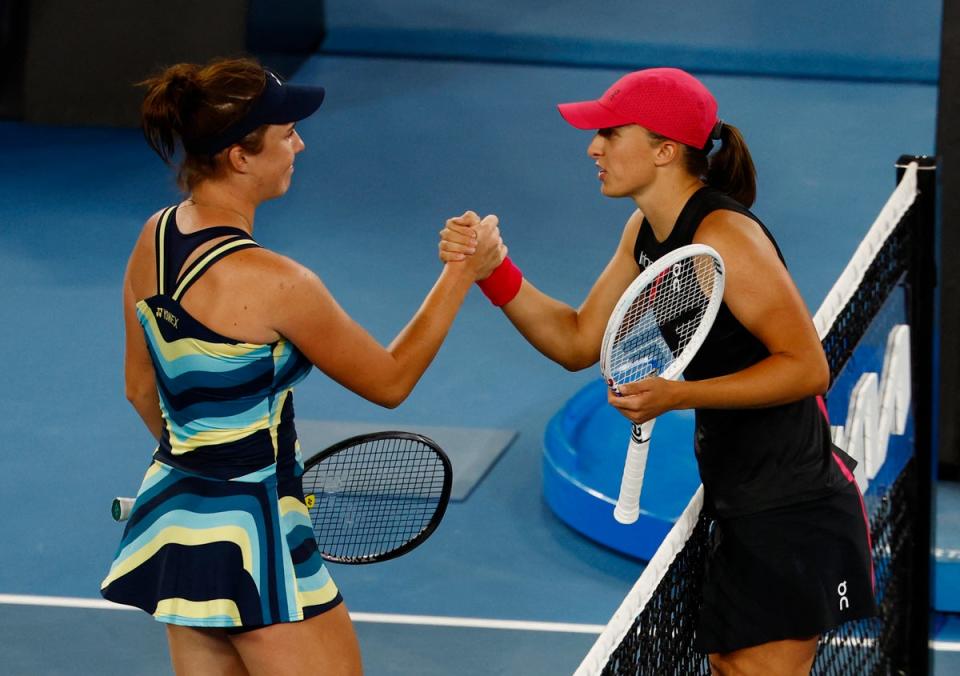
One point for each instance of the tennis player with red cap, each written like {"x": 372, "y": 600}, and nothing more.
{"x": 790, "y": 555}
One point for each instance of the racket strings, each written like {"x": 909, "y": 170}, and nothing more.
{"x": 662, "y": 320}
{"x": 374, "y": 497}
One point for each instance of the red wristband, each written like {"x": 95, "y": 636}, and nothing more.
{"x": 503, "y": 283}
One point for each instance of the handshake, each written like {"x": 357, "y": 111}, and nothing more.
{"x": 476, "y": 242}
{"x": 469, "y": 235}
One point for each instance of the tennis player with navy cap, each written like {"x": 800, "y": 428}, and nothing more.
{"x": 790, "y": 555}
{"x": 219, "y": 545}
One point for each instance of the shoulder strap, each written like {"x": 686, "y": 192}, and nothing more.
{"x": 203, "y": 263}
{"x": 159, "y": 249}
{"x": 694, "y": 211}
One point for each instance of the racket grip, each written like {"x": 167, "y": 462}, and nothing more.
{"x": 121, "y": 508}
{"x": 627, "y": 510}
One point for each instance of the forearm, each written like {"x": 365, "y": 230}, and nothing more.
{"x": 571, "y": 337}
{"x": 552, "y": 327}
{"x": 147, "y": 405}
{"x": 417, "y": 344}
{"x": 778, "y": 379}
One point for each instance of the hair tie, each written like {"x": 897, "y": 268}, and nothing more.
{"x": 717, "y": 130}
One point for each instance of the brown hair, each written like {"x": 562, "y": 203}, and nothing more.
{"x": 187, "y": 103}
{"x": 730, "y": 169}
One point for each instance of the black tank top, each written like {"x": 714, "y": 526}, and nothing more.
{"x": 749, "y": 459}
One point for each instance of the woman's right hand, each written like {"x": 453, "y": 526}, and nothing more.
{"x": 474, "y": 241}
{"x": 458, "y": 239}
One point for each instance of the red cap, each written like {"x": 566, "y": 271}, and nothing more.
{"x": 666, "y": 101}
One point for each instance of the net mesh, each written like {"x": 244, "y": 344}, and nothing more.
{"x": 374, "y": 497}
{"x": 653, "y": 631}
{"x": 660, "y": 319}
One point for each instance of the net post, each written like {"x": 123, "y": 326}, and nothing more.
{"x": 948, "y": 208}
{"x": 922, "y": 280}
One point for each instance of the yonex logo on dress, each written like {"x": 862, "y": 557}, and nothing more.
{"x": 842, "y": 592}
{"x": 168, "y": 316}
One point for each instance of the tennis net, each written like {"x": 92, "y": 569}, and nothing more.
{"x": 863, "y": 325}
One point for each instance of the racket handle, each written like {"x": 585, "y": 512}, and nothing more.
{"x": 121, "y": 508}
{"x": 627, "y": 510}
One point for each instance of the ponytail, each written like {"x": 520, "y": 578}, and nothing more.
{"x": 188, "y": 103}
{"x": 731, "y": 168}
{"x": 172, "y": 97}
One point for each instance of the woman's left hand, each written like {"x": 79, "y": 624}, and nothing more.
{"x": 645, "y": 399}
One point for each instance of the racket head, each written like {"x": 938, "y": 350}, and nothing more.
{"x": 374, "y": 497}
{"x": 663, "y": 317}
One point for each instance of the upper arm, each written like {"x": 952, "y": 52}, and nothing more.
{"x": 572, "y": 337}
{"x": 758, "y": 288}
{"x": 138, "y": 283}
{"x": 620, "y": 271}
{"x": 302, "y": 309}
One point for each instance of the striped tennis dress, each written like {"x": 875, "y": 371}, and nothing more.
{"x": 219, "y": 535}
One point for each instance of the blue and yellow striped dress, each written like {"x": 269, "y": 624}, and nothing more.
{"x": 219, "y": 535}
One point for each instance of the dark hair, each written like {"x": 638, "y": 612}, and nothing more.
{"x": 187, "y": 103}
{"x": 730, "y": 169}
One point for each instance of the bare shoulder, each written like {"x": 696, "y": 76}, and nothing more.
{"x": 148, "y": 232}
{"x": 634, "y": 222}
{"x": 147, "y": 240}
{"x": 261, "y": 265}
{"x": 631, "y": 230}
{"x": 736, "y": 237}
{"x": 278, "y": 290}
{"x": 141, "y": 267}
{"x": 274, "y": 278}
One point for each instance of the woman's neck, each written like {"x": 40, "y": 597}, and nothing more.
{"x": 222, "y": 201}
{"x": 662, "y": 203}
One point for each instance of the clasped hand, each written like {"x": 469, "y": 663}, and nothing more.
{"x": 474, "y": 240}
{"x": 643, "y": 400}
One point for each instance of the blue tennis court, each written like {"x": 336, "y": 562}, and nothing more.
{"x": 405, "y": 140}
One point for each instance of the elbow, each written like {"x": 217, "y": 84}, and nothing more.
{"x": 573, "y": 366}
{"x": 823, "y": 383}
{"x": 138, "y": 396}
{"x": 387, "y": 390}
{"x": 579, "y": 361}
{"x": 391, "y": 398}
{"x": 141, "y": 392}
{"x": 391, "y": 402}
{"x": 818, "y": 376}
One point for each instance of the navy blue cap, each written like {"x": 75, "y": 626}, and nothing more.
{"x": 279, "y": 103}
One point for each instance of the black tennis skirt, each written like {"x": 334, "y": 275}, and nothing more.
{"x": 787, "y": 573}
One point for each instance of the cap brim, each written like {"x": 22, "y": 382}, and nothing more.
{"x": 299, "y": 102}
{"x": 590, "y": 115}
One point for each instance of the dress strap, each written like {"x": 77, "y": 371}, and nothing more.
{"x": 203, "y": 263}
{"x": 160, "y": 249}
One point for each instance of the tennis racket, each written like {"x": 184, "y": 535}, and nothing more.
{"x": 656, "y": 328}
{"x": 371, "y": 497}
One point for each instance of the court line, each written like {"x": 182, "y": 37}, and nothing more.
{"x": 946, "y": 646}
{"x": 383, "y": 618}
